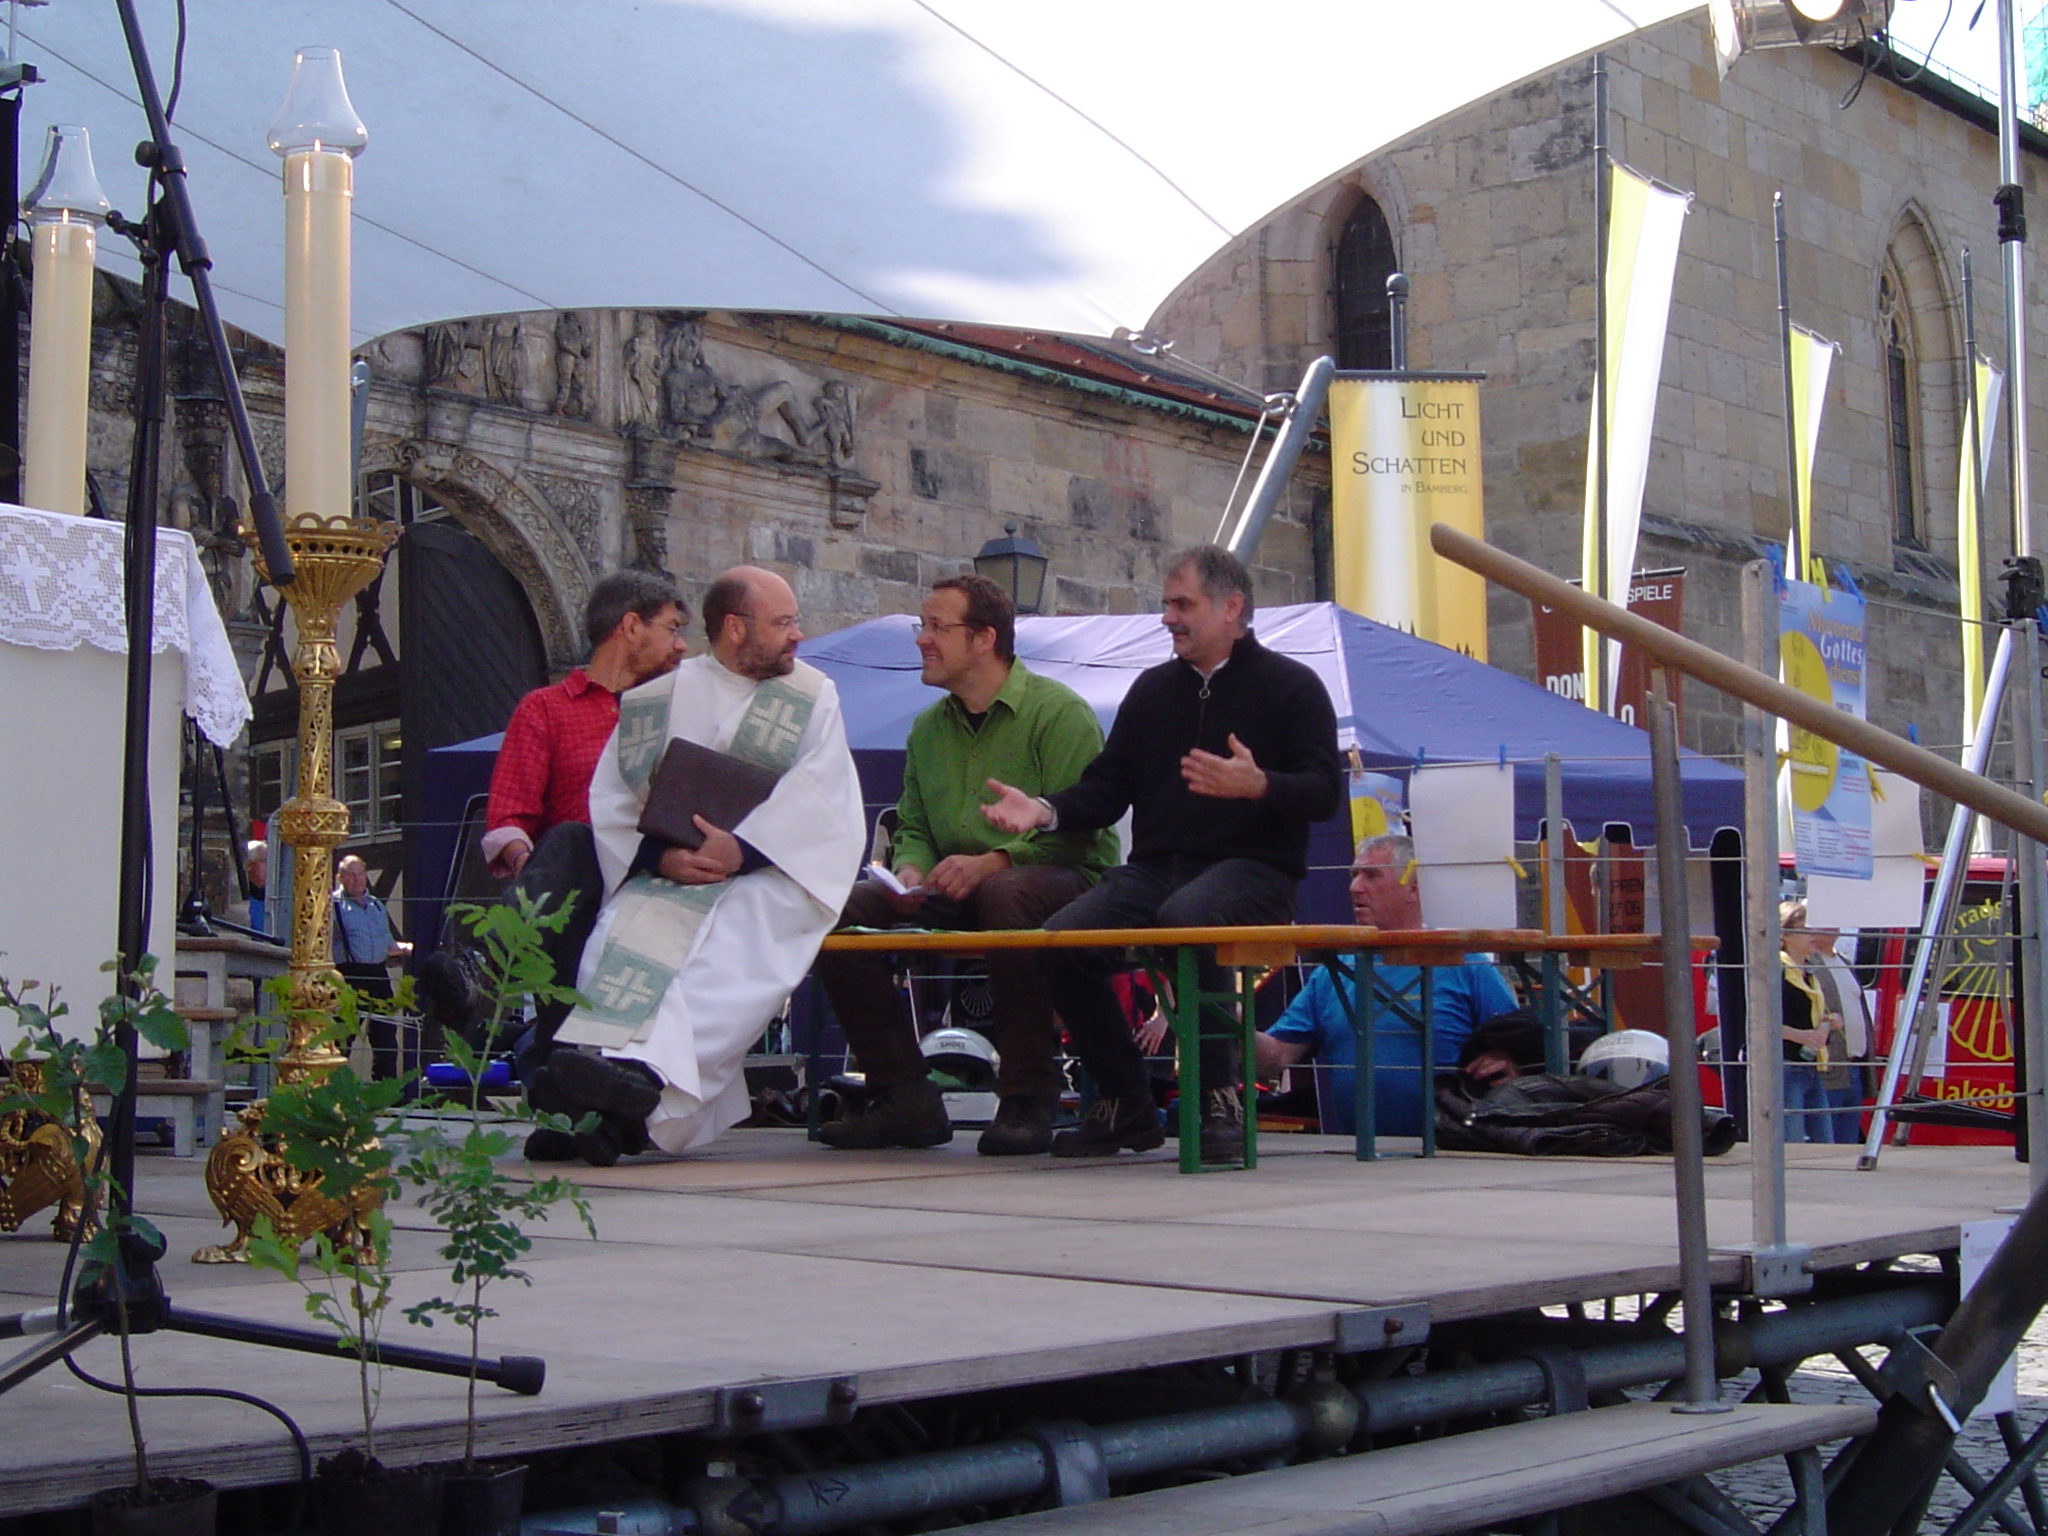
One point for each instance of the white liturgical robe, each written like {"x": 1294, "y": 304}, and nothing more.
{"x": 759, "y": 939}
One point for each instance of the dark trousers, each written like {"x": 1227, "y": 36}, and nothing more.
{"x": 372, "y": 985}
{"x": 1176, "y": 893}
{"x": 875, "y": 1014}
{"x": 562, "y": 867}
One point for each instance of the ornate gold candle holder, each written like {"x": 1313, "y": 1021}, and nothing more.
{"x": 335, "y": 558}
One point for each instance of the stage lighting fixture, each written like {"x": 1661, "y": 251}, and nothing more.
{"x": 1741, "y": 25}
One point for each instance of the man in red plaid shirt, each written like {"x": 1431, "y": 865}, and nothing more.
{"x": 542, "y": 778}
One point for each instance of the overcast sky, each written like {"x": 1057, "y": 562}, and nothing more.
{"x": 1963, "y": 50}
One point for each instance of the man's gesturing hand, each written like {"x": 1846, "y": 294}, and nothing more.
{"x": 1236, "y": 777}
{"x": 1012, "y": 810}
{"x": 716, "y": 859}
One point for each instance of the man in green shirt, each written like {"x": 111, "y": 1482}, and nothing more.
{"x": 1000, "y": 720}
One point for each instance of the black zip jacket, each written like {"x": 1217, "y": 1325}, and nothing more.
{"x": 1273, "y": 704}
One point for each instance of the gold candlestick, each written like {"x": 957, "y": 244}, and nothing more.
{"x": 335, "y": 556}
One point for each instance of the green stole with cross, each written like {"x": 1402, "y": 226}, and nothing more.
{"x": 655, "y": 921}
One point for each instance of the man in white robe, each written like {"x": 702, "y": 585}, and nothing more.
{"x": 697, "y": 949}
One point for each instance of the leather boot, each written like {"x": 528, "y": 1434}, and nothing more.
{"x": 1023, "y": 1126}
{"x": 905, "y": 1115}
{"x": 1222, "y": 1126}
{"x": 1112, "y": 1125}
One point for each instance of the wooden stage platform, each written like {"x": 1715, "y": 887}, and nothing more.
{"x": 927, "y": 1273}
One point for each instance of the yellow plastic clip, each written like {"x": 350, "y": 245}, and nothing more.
{"x": 1408, "y": 872}
{"x": 1515, "y": 865}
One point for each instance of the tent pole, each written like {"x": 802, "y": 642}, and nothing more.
{"x": 1761, "y": 939}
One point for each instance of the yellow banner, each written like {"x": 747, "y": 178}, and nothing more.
{"x": 1404, "y": 453}
{"x": 1813, "y": 358}
{"x": 1969, "y": 546}
{"x": 1643, "y": 225}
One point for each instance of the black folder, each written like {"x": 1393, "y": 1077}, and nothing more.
{"x": 692, "y": 781}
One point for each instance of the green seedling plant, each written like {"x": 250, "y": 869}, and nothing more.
{"x": 481, "y": 1210}
{"x": 71, "y": 1067}
{"x": 333, "y": 1128}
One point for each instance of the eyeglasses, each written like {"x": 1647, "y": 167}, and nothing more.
{"x": 785, "y": 623}
{"x": 922, "y": 628}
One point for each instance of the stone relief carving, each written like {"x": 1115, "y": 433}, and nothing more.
{"x": 640, "y": 402}
{"x": 576, "y": 503}
{"x": 575, "y": 346}
{"x": 503, "y": 372}
{"x": 750, "y": 421}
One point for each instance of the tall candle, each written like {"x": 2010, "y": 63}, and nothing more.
{"x": 317, "y": 134}
{"x": 59, "y": 367}
{"x": 318, "y": 189}
{"x": 67, "y": 208}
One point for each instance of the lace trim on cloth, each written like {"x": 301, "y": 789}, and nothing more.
{"x": 60, "y": 588}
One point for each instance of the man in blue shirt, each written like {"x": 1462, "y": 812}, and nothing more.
{"x": 1318, "y": 1022}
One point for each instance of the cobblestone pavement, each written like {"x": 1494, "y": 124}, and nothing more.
{"x": 1764, "y": 1490}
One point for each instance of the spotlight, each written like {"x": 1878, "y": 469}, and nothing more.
{"x": 1740, "y": 25}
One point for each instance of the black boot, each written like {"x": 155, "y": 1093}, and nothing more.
{"x": 1128, "y": 1123}
{"x": 905, "y": 1115}
{"x": 1023, "y": 1125}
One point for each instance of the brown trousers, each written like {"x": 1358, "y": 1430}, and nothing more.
{"x": 874, "y": 1013}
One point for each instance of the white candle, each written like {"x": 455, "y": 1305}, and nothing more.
{"x": 318, "y": 189}
{"x": 316, "y": 134}
{"x": 59, "y": 367}
{"x": 67, "y": 208}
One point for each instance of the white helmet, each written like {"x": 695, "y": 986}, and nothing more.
{"x": 1628, "y": 1058}
{"x": 964, "y": 1056}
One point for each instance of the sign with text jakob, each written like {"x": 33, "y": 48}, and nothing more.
{"x": 1404, "y": 453}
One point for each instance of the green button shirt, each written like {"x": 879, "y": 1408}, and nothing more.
{"x": 1037, "y": 735}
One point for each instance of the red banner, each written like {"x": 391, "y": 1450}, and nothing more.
{"x": 1657, "y": 595}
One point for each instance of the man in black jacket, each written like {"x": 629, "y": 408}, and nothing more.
{"x": 1224, "y": 756}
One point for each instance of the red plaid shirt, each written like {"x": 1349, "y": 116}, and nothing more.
{"x": 551, "y": 747}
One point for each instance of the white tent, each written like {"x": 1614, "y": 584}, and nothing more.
{"x": 1059, "y": 165}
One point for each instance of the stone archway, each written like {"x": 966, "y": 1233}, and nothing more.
{"x": 513, "y": 523}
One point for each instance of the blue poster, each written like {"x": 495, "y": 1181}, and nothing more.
{"x": 1821, "y": 653}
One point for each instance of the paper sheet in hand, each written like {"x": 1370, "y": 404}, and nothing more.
{"x": 692, "y": 781}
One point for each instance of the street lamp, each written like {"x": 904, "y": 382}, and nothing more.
{"x": 1017, "y": 565}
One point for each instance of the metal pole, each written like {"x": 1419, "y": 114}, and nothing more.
{"x": 1795, "y": 546}
{"x": 2012, "y": 239}
{"x": 2032, "y": 879}
{"x": 1397, "y": 321}
{"x": 1761, "y": 940}
{"x": 1681, "y": 1028}
{"x": 1596, "y": 655}
{"x": 1553, "y": 818}
{"x": 1293, "y": 435}
{"x": 1556, "y": 1041}
{"x": 1941, "y": 906}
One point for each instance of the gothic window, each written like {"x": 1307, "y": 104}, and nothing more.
{"x": 1365, "y": 259}
{"x": 1900, "y": 373}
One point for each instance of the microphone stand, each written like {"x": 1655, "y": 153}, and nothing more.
{"x": 130, "y": 1294}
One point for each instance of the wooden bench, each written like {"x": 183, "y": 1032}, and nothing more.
{"x": 1263, "y": 947}
{"x": 1463, "y": 1482}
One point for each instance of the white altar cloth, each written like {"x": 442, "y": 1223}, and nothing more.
{"x": 63, "y": 647}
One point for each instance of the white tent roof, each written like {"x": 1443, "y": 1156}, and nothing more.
{"x": 1060, "y": 165}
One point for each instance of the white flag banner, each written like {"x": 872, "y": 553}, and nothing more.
{"x": 1643, "y": 226}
